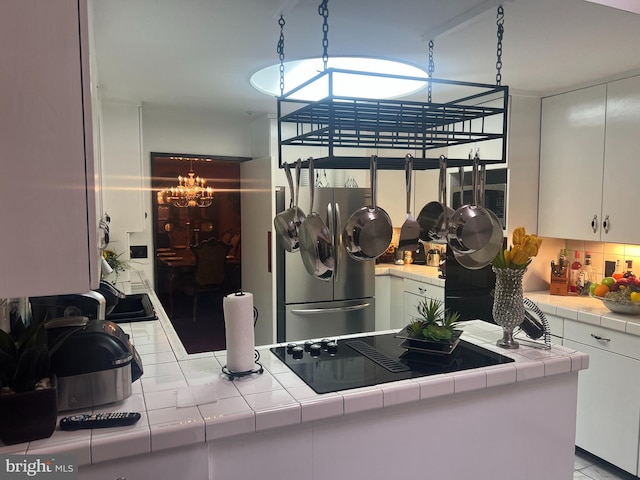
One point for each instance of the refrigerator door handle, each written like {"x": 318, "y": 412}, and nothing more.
{"x": 337, "y": 248}
{"x": 331, "y": 222}
{"x": 315, "y": 311}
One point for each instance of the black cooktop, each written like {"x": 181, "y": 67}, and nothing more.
{"x": 333, "y": 365}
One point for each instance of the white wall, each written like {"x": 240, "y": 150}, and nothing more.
{"x": 256, "y": 202}
{"x": 170, "y": 131}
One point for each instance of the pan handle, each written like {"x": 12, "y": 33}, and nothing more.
{"x": 443, "y": 191}
{"x": 333, "y": 229}
{"x": 298, "y": 171}
{"x": 311, "y": 185}
{"x": 287, "y": 172}
{"x": 408, "y": 170}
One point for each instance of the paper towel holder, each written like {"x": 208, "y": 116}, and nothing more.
{"x": 259, "y": 369}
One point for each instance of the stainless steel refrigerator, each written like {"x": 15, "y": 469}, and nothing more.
{"x": 312, "y": 308}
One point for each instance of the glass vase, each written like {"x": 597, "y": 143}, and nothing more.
{"x": 508, "y": 303}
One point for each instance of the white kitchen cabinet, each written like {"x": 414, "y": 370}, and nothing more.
{"x": 122, "y": 169}
{"x": 621, "y": 174}
{"x": 414, "y": 293}
{"x": 47, "y": 192}
{"x": 556, "y": 326}
{"x": 383, "y": 302}
{"x": 587, "y": 160}
{"x": 571, "y": 163}
{"x": 608, "y": 415}
{"x": 185, "y": 462}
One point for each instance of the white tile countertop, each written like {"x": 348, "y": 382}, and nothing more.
{"x": 421, "y": 273}
{"x": 585, "y": 310}
{"x": 186, "y": 399}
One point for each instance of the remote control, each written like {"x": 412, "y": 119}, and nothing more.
{"x": 99, "y": 420}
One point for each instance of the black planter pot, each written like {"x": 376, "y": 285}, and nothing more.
{"x": 28, "y": 416}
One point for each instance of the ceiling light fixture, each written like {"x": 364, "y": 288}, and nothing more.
{"x": 345, "y": 85}
{"x": 190, "y": 191}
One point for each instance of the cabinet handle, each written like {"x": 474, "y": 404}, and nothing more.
{"x": 422, "y": 290}
{"x": 594, "y": 223}
{"x": 599, "y": 338}
{"x": 605, "y": 224}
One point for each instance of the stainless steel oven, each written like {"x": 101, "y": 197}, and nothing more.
{"x": 495, "y": 196}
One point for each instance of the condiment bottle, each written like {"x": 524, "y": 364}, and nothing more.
{"x": 628, "y": 273}
{"x": 585, "y": 277}
{"x": 575, "y": 271}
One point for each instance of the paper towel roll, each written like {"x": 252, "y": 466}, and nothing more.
{"x": 238, "y": 321}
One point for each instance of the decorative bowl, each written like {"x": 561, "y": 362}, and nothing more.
{"x": 629, "y": 307}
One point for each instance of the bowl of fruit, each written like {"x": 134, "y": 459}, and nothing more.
{"x": 620, "y": 295}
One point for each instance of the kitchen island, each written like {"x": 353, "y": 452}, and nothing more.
{"x": 511, "y": 421}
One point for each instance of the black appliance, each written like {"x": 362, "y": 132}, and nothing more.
{"x": 331, "y": 366}
{"x": 469, "y": 292}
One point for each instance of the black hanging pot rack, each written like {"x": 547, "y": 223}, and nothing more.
{"x": 392, "y": 128}
{"x": 348, "y": 130}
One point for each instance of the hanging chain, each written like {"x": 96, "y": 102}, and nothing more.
{"x": 431, "y": 69}
{"x": 323, "y": 10}
{"x": 500, "y": 24}
{"x": 280, "y": 49}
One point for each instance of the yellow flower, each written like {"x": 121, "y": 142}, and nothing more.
{"x": 519, "y": 255}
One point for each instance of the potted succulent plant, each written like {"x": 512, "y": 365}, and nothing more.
{"x": 433, "y": 329}
{"x": 28, "y": 390}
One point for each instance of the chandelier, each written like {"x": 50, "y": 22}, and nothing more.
{"x": 190, "y": 192}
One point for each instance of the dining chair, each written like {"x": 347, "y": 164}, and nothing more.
{"x": 210, "y": 270}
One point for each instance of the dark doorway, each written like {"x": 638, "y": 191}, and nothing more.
{"x": 178, "y": 231}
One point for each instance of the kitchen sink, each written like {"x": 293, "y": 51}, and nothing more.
{"x": 133, "y": 308}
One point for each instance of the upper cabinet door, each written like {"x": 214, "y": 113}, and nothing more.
{"x": 621, "y": 163}
{"x": 48, "y": 242}
{"x": 571, "y": 164}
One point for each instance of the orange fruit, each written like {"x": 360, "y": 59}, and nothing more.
{"x": 600, "y": 290}
{"x": 616, "y": 276}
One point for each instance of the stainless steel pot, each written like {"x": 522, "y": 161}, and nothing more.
{"x": 316, "y": 242}
{"x": 287, "y": 222}
{"x": 470, "y": 227}
{"x": 367, "y": 234}
{"x": 485, "y": 255}
{"x": 432, "y": 216}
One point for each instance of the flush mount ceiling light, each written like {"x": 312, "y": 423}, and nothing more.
{"x": 380, "y": 86}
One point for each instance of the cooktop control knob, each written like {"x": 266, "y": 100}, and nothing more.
{"x": 291, "y": 346}
{"x": 315, "y": 350}
{"x": 297, "y": 352}
{"x": 307, "y": 345}
{"x": 324, "y": 342}
{"x": 332, "y": 347}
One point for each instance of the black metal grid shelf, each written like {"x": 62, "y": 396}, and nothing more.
{"x": 360, "y": 123}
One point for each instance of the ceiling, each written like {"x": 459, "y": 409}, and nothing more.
{"x": 200, "y": 54}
